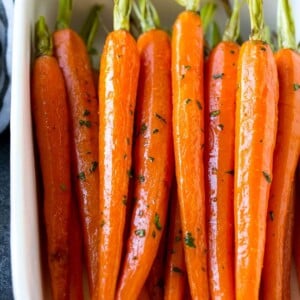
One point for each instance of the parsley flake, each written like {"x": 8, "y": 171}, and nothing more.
{"x": 157, "y": 222}
{"x": 189, "y": 240}
{"x": 267, "y": 176}
{"x": 140, "y": 232}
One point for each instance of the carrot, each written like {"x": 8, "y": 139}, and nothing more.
{"x": 256, "y": 126}
{"x": 74, "y": 61}
{"x": 277, "y": 261}
{"x": 76, "y": 283}
{"x": 117, "y": 95}
{"x": 153, "y": 156}
{"x": 188, "y": 137}
{"x": 155, "y": 282}
{"x": 175, "y": 273}
{"x": 51, "y": 117}
{"x": 221, "y": 75}
{"x": 296, "y": 235}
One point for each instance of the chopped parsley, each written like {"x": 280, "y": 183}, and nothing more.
{"x": 94, "y": 166}
{"x": 143, "y": 128}
{"x": 160, "y": 118}
{"x": 140, "y": 232}
{"x": 189, "y": 240}
{"x": 231, "y": 172}
{"x": 215, "y": 113}
{"x": 81, "y": 176}
{"x": 177, "y": 270}
{"x": 85, "y": 123}
{"x": 155, "y": 131}
{"x": 267, "y": 176}
{"x": 86, "y": 113}
{"x": 199, "y": 104}
{"x": 141, "y": 178}
{"x": 296, "y": 86}
{"x": 218, "y": 76}
{"x": 157, "y": 222}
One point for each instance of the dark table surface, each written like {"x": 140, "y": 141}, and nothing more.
{"x": 5, "y": 266}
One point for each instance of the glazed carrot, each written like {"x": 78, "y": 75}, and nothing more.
{"x": 175, "y": 273}
{"x": 51, "y": 117}
{"x": 188, "y": 136}
{"x": 256, "y": 126}
{"x": 76, "y": 263}
{"x": 153, "y": 157}
{"x": 155, "y": 282}
{"x": 277, "y": 260}
{"x": 296, "y": 235}
{"x": 221, "y": 75}
{"x": 74, "y": 61}
{"x": 117, "y": 96}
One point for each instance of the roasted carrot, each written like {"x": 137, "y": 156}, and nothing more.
{"x": 153, "y": 156}
{"x": 74, "y": 61}
{"x": 188, "y": 137}
{"x": 296, "y": 235}
{"x": 256, "y": 126}
{"x": 221, "y": 75}
{"x": 277, "y": 260}
{"x": 175, "y": 273}
{"x": 51, "y": 120}
{"x": 76, "y": 262}
{"x": 155, "y": 282}
{"x": 119, "y": 72}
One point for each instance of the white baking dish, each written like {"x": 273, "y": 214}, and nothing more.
{"x": 25, "y": 250}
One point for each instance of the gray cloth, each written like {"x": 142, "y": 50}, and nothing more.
{"x": 5, "y": 266}
{"x": 6, "y": 20}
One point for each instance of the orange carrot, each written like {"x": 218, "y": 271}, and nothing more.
{"x": 277, "y": 260}
{"x": 256, "y": 126}
{"x": 175, "y": 273}
{"x": 117, "y": 96}
{"x": 75, "y": 63}
{"x": 51, "y": 119}
{"x": 155, "y": 282}
{"x": 76, "y": 283}
{"x": 153, "y": 159}
{"x": 296, "y": 236}
{"x": 188, "y": 136}
{"x": 221, "y": 75}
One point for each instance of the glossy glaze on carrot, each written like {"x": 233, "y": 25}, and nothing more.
{"x": 188, "y": 137}
{"x": 51, "y": 125}
{"x": 220, "y": 96}
{"x": 276, "y": 274}
{"x": 119, "y": 71}
{"x": 296, "y": 229}
{"x": 256, "y": 126}
{"x": 153, "y": 161}
{"x": 82, "y": 103}
{"x": 221, "y": 78}
{"x": 175, "y": 272}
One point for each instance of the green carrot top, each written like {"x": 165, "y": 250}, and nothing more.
{"x": 286, "y": 26}
{"x": 146, "y": 14}
{"x": 232, "y": 30}
{"x": 256, "y": 19}
{"x": 122, "y": 9}
{"x": 43, "y": 40}
{"x": 192, "y": 5}
{"x": 64, "y": 14}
